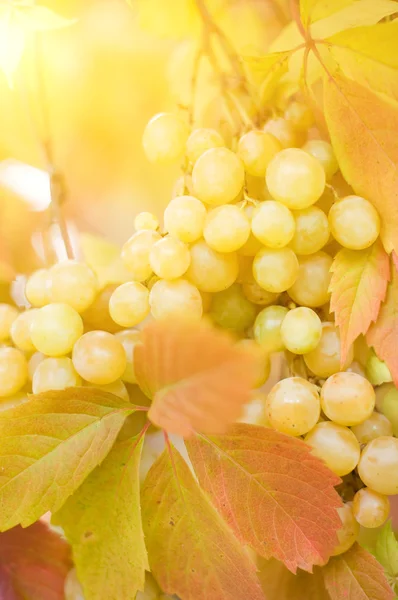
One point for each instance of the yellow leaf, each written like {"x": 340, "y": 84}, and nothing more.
{"x": 40, "y": 18}
{"x": 268, "y": 71}
{"x": 12, "y": 44}
{"x": 313, "y": 10}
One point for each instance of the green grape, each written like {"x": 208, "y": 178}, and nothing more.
{"x": 252, "y": 246}
{"x": 267, "y": 328}
{"x": 230, "y": 309}
{"x": 99, "y": 357}
{"x": 376, "y": 370}
{"x": 13, "y": 371}
{"x": 73, "y": 283}
{"x": 201, "y": 140}
{"x": 311, "y": 287}
{"x": 8, "y": 314}
{"x": 389, "y": 408}
{"x": 55, "y": 374}
{"x": 349, "y": 532}
{"x": 325, "y": 359}
{"x": 262, "y": 358}
{"x": 256, "y": 149}
{"x": 301, "y": 330}
{"x": 295, "y": 178}
{"x": 370, "y": 509}
{"x": 273, "y": 224}
{"x": 227, "y": 228}
{"x": 323, "y": 152}
{"x": 311, "y": 230}
{"x": 375, "y": 426}
{"x": 184, "y": 218}
{"x": 293, "y": 406}
{"x": 284, "y": 131}
{"x": 175, "y": 299}
{"x": 55, "y": 329}
{"x": 135, "y": 253}
{"x": 164, "y": 138}
{"x": 169, "y": 258}
{"x": 347, "y": 398}
{"x": 211, "y": 271}
{"x": 354, "y": 222}
{"x": 378, "y": 466}
{"x": 299, "y": 115}
{"x": 218, "y": 176}
{"x": 20, "y": 330}
{"x": 381, "y": 392}
{"x": 146, "y": 220}
{"x": 38, "y": 288}
{"x": 275, "y": 270}
{"x": 129, "y": 338}
{"x": 129, "y": 304}
{"x": 336, "y": 445}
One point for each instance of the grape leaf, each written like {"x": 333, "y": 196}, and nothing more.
{"x": 102, "y": 521}
{"x": 362, "y": 126}
{"x": 383, "y": 334}
{"x": 358, "y": 287}
{"x": 198, "y": 379}
{"x": 49, "y": 445}
{"x": 33, "y": 563}
{"x": 313, "y": 10}
{"x": 356, "y": 575}
{"x": 279, "y": 583}
{"x": 192, "y": 552}
{"x": 275, "y": 495}
{"x": 386, "y": 550}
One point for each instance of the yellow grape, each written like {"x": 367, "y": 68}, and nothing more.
{"x": 354, "y": 222}
{"x": 293, "y": 406}
{"x": 129, "y": 304}
{"x": 55, "y": 329}
{"x": 273, "y": 224}
{"x": 267, "y": 328}
{"x": 257, "y": 294}
{"x": 389, "y": 407}
{"x": 375, "y": 426}
{"x": 8, "y": 314}
{"x": 256, "y": 149}
{"x": 117, "y": 388}
{"x": 34, "y": 362}
{"x": 38, "y": 288}
{"x": 376, "y": 370}
{"x": 206, "y": 301}
{"x": 276, "y": 269}
{"x": 325, "y": 359}
{"x": 175, "y": 299}
{"x": 254, "y": 411}
{"x": 227, "y": 228}
{"x": 323, "y": 152}
{"x": 184, "y": 218}
{"x": 211, "y": 271}
{"x": 253, "y": 245}
{"x": 347, "y": 398}
{"x": 146, "y": 220}
{"x": 301, "y": 330}
{"x": 55, "y": 374}
{"x": 99, "y": 357}
{"x": 311, "y": 230}
{"x": 13, "y": 371}
{"x": 73, "y": 283}
{"x": 336, "y": 445}
{"x": 299, "y": 115}
{"x": 262, "y": 357}
{"x": 200, "y": 140}
{"x": 311, "y": 287}
{"x": 129, "y": 338}
{"x": 218, "y": 176}
{"x": 164, "y": 138}
{"x": 295, "y": 178}
{"x": 284, "y": 131}
{"x": 378, "y": 466}
{"x": 230, "y": 309}
{"x": 97, "y": 315}
{"x": 169, "y": 258}
{"x": 20, "y": 330}
{"x": 349, "y": 532}
{"x": 135, "y": 253}
{"x": 370, "y": 508}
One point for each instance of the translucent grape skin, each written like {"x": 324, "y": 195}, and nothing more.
{"x": 226, "y": 229}
{"x": 135, "y": 253}
{"x": 311, "y": 230}
{"x": 169, "y": 258}
{"x": 300, "y": 115}
{"x": 275, "y": 270}
{"x": 146, "y": 220}
{"x": 349, "y": 532}
{"x": 389, "y": 407}
{"x": 378, "y": 466}
{"x": 8, "y": 314}
{"x": 256, "y": 149}
{"x": 164, "y": 138}
{"x": 311, "y": 287}
{"x": 184, "y": 218}
{"x": 34, "y": 362}
{"x": 354, "y": 222}
{"x": 211, "y": 271}
{"x": 20, "y": 330}
{"x": 99, "y": 357}
{"x": 267, "y": 328}
{"x": 370, "y": 508}
{"x": 257, "y": 294}
{"x": 273, "y": 224}
{"x": 336, "y": 445}
{"x": 177, "y": 298}
{"x": 55, "y": 374}
{"x": 200, "y": 140}
{"x": 55, "y": 329}
{"x": 129, "y": 304}
{"x": 263, "y": 360}
{"x": 230, "y": 309}
{"x": 375, "y": 426}
{"x": 301, "y": 330}
{"x": 129, "y": 338}
{"x": 292, "y": 406}
{"x": 347, "y": 398}
{"x": 253, "y": 245}
{"x": 325, "y": 359}
{"x": 37, "y": 289}
{"x": 323, "y": 152}
{"x": 284, "y": 131}
{"x": 218, "y": 176}
{"x": 13, "y": 371}
{"x": 73, "y": 283}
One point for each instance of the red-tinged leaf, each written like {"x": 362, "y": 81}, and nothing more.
{"x": 356, "y": 575}
{"x": 275, "y": 495}
{"x": 358, "y": 287}
{"x": 279, "y": 583}
{"x": 192, "y": 552}
{"x": 198, "y": 379}
{"x": 383, "y": 334}
{"x": 362, "y": 127}
{"x": 33, "y": 563}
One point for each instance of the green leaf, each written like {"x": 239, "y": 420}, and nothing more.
{"x": 386, "y": 550}
{"x": 102, "y": 521}
{"x": 49, "y": 445}
{"x": 192, "y": 552}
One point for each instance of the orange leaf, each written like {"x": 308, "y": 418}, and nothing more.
{"x": 198, "y": 379}
{"x": 363, "y": 128}
{"x": 279, "y": 583}
{"x": 383, "y": 334}
{"x": 358, "y": 287}
{"x": 275, "y": 495}
{"x": 356, "y": 575}
{"x": 33, "y": 563}
{"x": 192, "y": 552}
